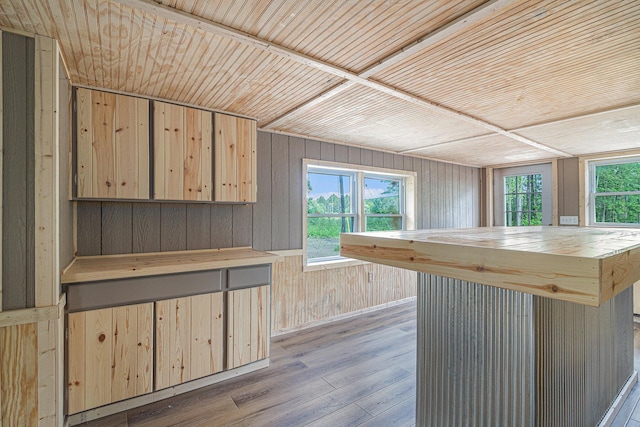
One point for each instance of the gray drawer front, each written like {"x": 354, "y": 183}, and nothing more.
{"x": 109, "y": 293}
{"x": 246, "y": 277}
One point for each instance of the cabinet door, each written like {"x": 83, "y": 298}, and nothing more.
{"x": 189, "y": 338}
{"x": 110, "y": 355}
{"x": 235, "y": 159}
{"x": 182, "y": 153}
{"x": 112, "y": 145}
{"x": 248, "y": 331}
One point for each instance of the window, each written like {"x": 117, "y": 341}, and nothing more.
{"x": 523, "y": 200}
{"x": 614, "y": 192}
{"x": 523, "y": 195}
{"x": 344, "y": 198}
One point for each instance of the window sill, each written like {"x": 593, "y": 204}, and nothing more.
{"x": 328, "y": 265}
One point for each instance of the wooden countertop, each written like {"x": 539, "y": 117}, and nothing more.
{"x": 107, "y": 267}
{"x": 583, "y": 265}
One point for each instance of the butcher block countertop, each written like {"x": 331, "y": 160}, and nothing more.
{"x": 108, "y": 267}
{"x": 584, "y": 265}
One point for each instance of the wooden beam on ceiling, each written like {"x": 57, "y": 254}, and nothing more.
{"x": 212, "y": 27}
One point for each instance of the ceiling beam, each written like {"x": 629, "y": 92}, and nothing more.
{"x": 215, "y": 28}
{"x": 453, "y": 27}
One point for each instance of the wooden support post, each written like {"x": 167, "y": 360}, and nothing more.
{"x": 47, "y": 277}
{"x": 1, "y": 180}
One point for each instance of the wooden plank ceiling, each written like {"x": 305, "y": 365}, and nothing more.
{"x": 465, "y": 81}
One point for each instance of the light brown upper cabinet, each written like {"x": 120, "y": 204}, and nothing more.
{"x": 182, "y": 152}
{"x": 235, "y": 159}
{"x": 112, "y": 146}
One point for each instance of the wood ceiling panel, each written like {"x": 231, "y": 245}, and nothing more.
{"x": 348, "y": 34}
{"x": 533, "y": 62}
{"x": 609, "y": 131}
{"x": 484, "y": 151}
{"x": 363, "y": 116}
{"x": 112, "y": 46}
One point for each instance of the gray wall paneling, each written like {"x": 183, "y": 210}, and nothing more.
{"x": 296, "y": 185}
{"x": 173, "y": 224}
{"x": 18, "y": 55}
{"x": 366, "y": 157}
{"x": 222, "y": 226}
{"x": 116, "y": 228}
{"x": 355, "y": 155}
{"x": 312, "y": 149}
{"x": 242, "y": 230}
{"x": 198, "y": 226}
{"x": 146, "y": 227}
{"x": 280, "y": 192}
{"x": 568, "y": 187}
{"x": 327, "y": 151}
{"x": 262, "y": 216}
{"x": 341, "y": 153}
{"x": 90, "y": 228}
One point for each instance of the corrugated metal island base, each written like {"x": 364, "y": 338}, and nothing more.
{"x": 517, "y": 326}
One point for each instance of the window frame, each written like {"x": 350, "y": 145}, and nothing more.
{"x": 407, "y": 203}
{"x": 592, "y": 194}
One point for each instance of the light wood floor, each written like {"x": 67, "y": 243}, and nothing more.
{"x": 356, "y": 372}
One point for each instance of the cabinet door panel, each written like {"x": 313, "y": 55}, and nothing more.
{"x": 248, "y": 332}
{"x": 189, "y": 334}
{"x": 110, "y": 355}
{"x": 182, "y": 153}
{"x": 112, "y": 145}
{"x": 235, "y": 159}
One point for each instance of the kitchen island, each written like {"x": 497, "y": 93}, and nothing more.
{"x": 517, "y": 326}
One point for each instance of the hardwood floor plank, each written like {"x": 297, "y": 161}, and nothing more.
{"x": 349, "y": 416}
{"x": 401, "y": 415}
{"x": 385, "y": 399}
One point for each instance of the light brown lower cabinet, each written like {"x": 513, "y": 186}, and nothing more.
{"x": 248, "y": 325}
{"x": 189, "y": 338}
{"x": 110, "y": 355}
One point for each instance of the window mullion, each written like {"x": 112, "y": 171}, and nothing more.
{"x": 360, "y": 198}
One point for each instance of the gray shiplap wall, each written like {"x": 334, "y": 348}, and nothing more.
{"x": 448, "y": 196}
{"x": 18, "y": 56}
{"x": 569, "y": 186}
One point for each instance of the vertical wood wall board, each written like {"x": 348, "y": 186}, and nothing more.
{"x": 89, "y": 228}
{"x": 180, "y": 341}
{"x": 217, "y": 332}
{"x": 280, "y": 192}
{"x": 296, "y": 188}
{"x": 242, "y": 227}
{"x": 163, "y": 360}
{"x": 198, "y": 226}
{"x": 193, "y": 155}
{"x": 174, "y": 137}
{"x": 221, "y": 226}
{"x": 84, "y": 150}
{"x": 312, "y": 148}
{"x": 255, "y": 326}
{"x": 116, "y": 228}
{"x": 378, "y": 159}
{"x": 47, "y": 182}
{"x": 327, "y": 151}
{"x": 421, "y": 202}
{"x": 366, "y": 157}
{"x": 103, "y": 107}
{"x": 18, "y": 135}
{"x": 67, "y": 223}
{"x": 173, "y": 220}
{"x": 19, "y": 375}
{"x": 340, "y": 153}
{"x": 388, "y": 160}
{"x": 355, "y": 155}
{"x": 142, "y": 156}
{"x": 159, "y": 178}
{"x": 146, "y": 227}
{"x": 262, "y": 216}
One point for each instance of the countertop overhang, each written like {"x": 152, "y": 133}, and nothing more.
{"x": 108, "y": 267}
{"x": 579, "y": 264}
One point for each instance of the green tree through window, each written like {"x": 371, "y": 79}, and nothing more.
{"x": 615, "y": 192}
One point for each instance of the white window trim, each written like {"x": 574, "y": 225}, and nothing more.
{"x": 588, "y": 165}
{"x": 409, "y": 199}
